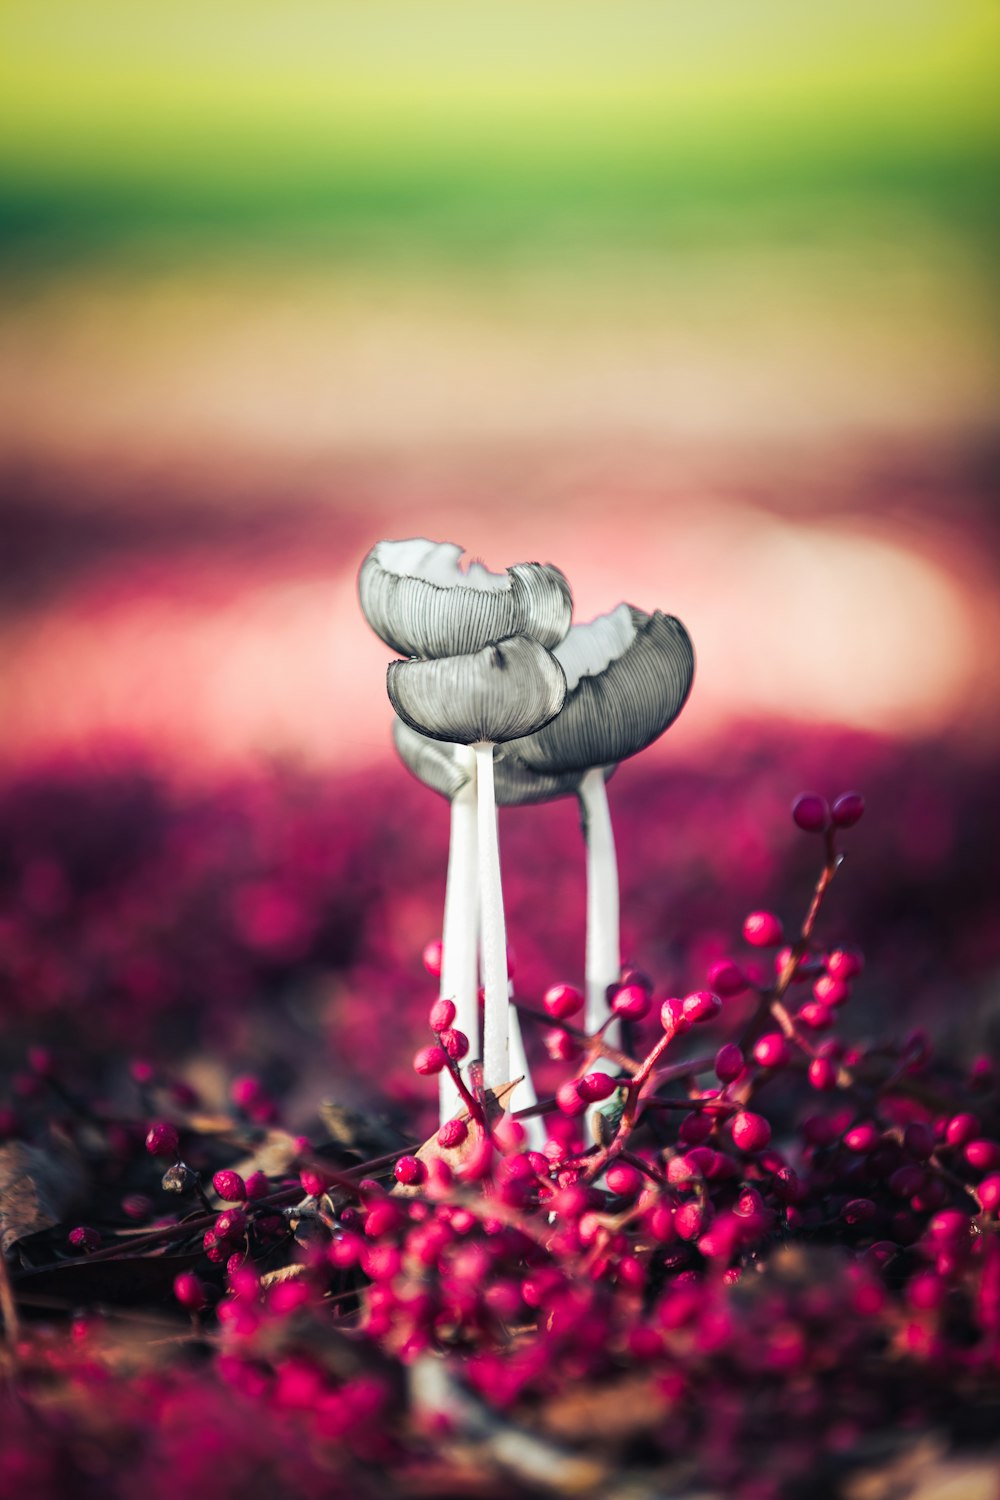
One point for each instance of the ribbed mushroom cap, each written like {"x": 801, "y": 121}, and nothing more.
{"x": 499, "y": 693}
{"x": 419, "y": 599}
{"x": 436, "y": 763}
{"x": 628, "y": 676}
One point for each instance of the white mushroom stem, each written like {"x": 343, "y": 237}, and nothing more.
{"x": 524, "y": 1095}
{"x": 460, "y": 934}
{"x": 496, "y": 1031}
{"x": 603, "y": 962}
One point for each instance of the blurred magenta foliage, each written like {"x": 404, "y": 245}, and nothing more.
{"x": 277, "y": 919}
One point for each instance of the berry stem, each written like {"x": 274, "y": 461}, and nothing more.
{"x": 459, "y": 938}
{"x": 496, "y": 1031}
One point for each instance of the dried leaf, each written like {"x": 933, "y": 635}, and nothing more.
{"x": 38, "y": 1188}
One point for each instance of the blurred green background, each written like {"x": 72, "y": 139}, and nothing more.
{"x": 693, "y": 299}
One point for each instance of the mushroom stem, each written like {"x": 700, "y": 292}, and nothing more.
{"x": 496, "y": 1046}
{"x": 603, "y": 962}
{"x": 524, "y": 1095}
{"x": 460, "y": 934}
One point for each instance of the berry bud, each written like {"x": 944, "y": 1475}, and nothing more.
{"x": 162, "y": 1139}
{"x": 429, "y": 1060}
{"x": 726, "y": 978}
{"x": 561, "y": 1001}
{"x": 455, "y": 1043}
{"x": 452, "y": 1133}
{"x": 442, "y": 1015}
{"x": 623, "y": 1178}
{"x": 409, "y": 1170}
{"x": 432, "y": 957}
{"x": 672, "y": 1017}
{"x": 751, "y": 1132}
{"x": 703, "y": 1005}
{"x": 632, "y": 1002}
{"x": 810, "y": 812}
{"x": 84, "y": 1238}
{"x": 823, "y": 1074}
{"x": 596, "y": 1086}
{"x": 762, "y": 929}
{"x": 847, "y": 809}
{"x": 771, "y": 1050}
{"x": 190, "y": 1292}
{"x": 570, "y": 1100}
{"x": 230, "y": 1186}
{"x": 729, "y": 1063}
{"x": 257, "y": 1185}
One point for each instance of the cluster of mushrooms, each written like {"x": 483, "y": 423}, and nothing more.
{"x": 500, "y": 700}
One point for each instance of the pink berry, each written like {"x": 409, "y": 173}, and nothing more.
{"x": 624, "y": 1179}
{"x": 906, "y": 1181}
{"x": 690, "y": 1220}
{"x": 84, "y": 1238}
{"x": 823, "y": 1074}
{"x": 313, "y": 1182}
{"x": 762, "y": 929}
{"x": 727, "y": 978}
{"x": 989, "y": 1192}
{"x": 862, "y": 1138}
{"x": 231, "y": 1224}
{"x": 844, "y": 963}
{"x": 804, "y": 969}
{"x": 672, "y": 1017}
{"x": 562, "y": 1047}
{"x": 190, "y": 1292}
{"x": 137, "y": 1205}
{"x": 926, "y": 1292}
{"x": 772, "y": 1050}
{"x": 961, "y": 1129}
{"x": 230, "y": 1186}
{"x": 452, "y": 1133}
{"x": 561, "y": 1001}
{"x": 432, "y": 957}
{"x": 429, "y": 1060}
{"x": 257, "y": 1186}
{"x": 455, "y": 1043}
{"x": 831, "y": 990}
{"x": 409, "y": 1170}
{"x": 596, "y": 1086}
{"x": 810, "y": 812}
{"x": 817, "y": 1017}
{"x": 632, "y": 1002}
{"x": 729, "y": 1063}
{"x": 695, "y": 1128}
{"x": 442, "y": 1015}
{"x": 570, "y": 1100}
{"x": 983, "y": 1155}
{"x": 162, "y": 1139}
{"x": 703, "y": 1005}
{"x": 246, "y": 1092}
{"x": 847, "y": 809}
{"x": 751, "y": 1132}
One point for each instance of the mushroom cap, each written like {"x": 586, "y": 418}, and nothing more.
{"x": 628, "y": 676}
{"x": 419, "y": 599}
{"x": 499, "y": 693}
